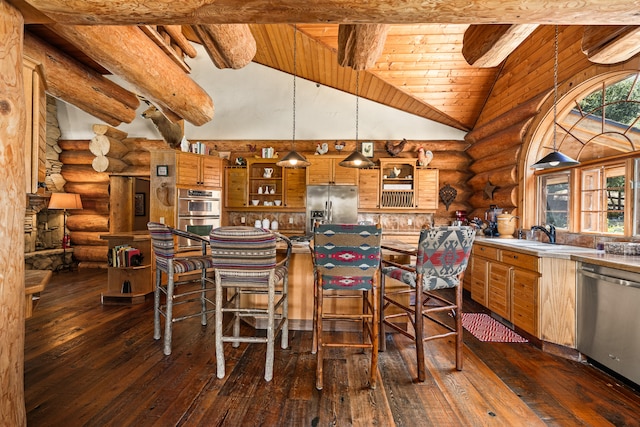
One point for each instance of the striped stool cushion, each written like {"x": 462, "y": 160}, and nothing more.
{"x": 183, "y": 265}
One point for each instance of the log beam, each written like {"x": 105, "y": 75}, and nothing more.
{"x": 144, "y": 66}
{"x": 610, "y": 44}
{"x": 134, "y": 12}
{"x": 487, "y": 46}
{"x": 228, "y": 45}
{"x": 81, "y": 86}
{"x": 360, "y": 46}
{"x": 175, "y": 31}
{"x": 13, "y": 127}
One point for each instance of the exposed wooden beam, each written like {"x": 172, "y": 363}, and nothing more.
{"x": 228, "y": 45}
{"x": 152, "y": 32}
{"x": 175, "y": 31}
{"x": 487, "y": 46}
{"x": 610, "y": 44}
{"x": 79, "y": 85}
{"x": 144, "y": 66}
{"x": 135, "y": 12}
{"x": 360, "y": 46}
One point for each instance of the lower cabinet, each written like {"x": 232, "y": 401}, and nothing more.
{"x": 507, "y": 283}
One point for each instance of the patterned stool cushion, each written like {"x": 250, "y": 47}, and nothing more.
{"x": 443, "y": 254}
{"x": 347, "y": 255}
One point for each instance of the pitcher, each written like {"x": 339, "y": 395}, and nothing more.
{"x": 267, "y": 172}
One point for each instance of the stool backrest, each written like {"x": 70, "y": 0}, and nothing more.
{"x": 444, "y": 251}
{"x": 347, "y": 256}
{"x": 243, "y": 248}
{"x": 161, "y": 240}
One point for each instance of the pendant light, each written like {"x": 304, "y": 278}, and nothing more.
{"x": 293, "y": 159}
{"x": 356, "y": 159}
{"x": 555, "y": 159}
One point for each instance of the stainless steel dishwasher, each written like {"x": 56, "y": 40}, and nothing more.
{"x": 609, "y": 318}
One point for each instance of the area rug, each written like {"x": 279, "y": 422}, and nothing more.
{"x": 486, "y": 328}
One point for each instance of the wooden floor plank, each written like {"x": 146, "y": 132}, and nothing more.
{"x": 94, "y": 365}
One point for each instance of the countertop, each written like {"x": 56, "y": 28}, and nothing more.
{"x": 574, "y": 253}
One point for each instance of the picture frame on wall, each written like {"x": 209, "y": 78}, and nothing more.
{"x": 367, "y": 149}
{"x": 139, "y": 206}
{"x": 162, "y": 170}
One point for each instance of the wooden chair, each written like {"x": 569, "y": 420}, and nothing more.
{"x": 245, "y": 263}
{"x": 163, "y": 246}
{"x": 346, "y": 264}
{"x": 441, "y": 260}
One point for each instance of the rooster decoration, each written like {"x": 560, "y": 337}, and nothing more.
{"x": 424, "y": 157}
{"x": 322, "y": 149}
{"x": 396, "y": 149}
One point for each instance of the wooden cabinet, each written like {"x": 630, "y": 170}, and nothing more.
{"x": 235, "y": 188}
{"x": 198, "y": 170}
{"x": 369, "y": 189}
{"x": 507, "y": 283}
{"x": 295, "y": 189}
{"x": 128, "y": 284}
{"x": 326, "y": 169}
{"x": 405, "y": 186}
{"x": 265, "y": 183}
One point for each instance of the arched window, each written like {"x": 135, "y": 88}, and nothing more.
{"x": 599, "y": 125}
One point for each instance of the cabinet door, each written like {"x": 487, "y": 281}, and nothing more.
{"x": 525, "y": 300}
{"x": 319, "y": 171}
{"x": 369, "y": 189}
{"x": 236, "y": 187}
{"x": 479, "y": 278}
{"x": 344, "y": 176}
{"x": 426, "y": 188}
{"x": 188, "y": 171}
{"x": 499, "y": 292}
{"x": 295, "y": 188}
{"x": 211, "y": 173}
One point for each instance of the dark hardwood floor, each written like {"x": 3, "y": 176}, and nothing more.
{"x": 95, "y": 365}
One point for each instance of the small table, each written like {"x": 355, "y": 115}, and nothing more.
{"x": 34, "y": 282}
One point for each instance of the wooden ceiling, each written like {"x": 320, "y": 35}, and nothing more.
{"x": 422, "y": 69}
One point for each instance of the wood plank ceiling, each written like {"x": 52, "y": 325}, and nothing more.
{"x": 421, "y": 70}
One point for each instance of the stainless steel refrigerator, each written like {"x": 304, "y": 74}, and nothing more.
{"x": 337, "y": 204}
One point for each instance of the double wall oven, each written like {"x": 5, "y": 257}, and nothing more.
{"x": 198, "y": 212}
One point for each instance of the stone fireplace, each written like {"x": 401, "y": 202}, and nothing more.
{"x": 43, "y": 233}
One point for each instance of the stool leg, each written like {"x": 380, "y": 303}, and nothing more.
{"x": 459, "y": 331}
{"x": 268, "y": 368}
{"x": 419, "y": 328}
{"x": 382, "y": 338}
{"x": 156, "y": 305}
{"x": 320, "y": 350}
{"x": 236, "y": 317}
{"x": 219, "y": 344}
{"x": 314, "y": 343}
{"x": 374, "y": 336}
{"x": 203, "y": 285}
{"x": 168, "y": 322}
{"x": 285, "y": 313}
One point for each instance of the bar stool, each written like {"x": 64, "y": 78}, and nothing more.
{"x": 245, "y": 264}
{"x": 163, "y": 245}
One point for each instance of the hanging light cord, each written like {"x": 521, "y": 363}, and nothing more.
{"x": 357, "y": 104}
{"x": 295, "y": 30}
{"x": 555, "y": 91}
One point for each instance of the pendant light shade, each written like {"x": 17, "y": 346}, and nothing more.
{"x": 555, "y": 159}
{"x": 357, "y": 159}
{"x": 293, "y": 159}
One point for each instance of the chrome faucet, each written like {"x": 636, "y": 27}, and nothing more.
{"x": 551, "y": 232}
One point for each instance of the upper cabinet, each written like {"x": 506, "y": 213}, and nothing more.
{"x": 403, "y": 185}
{"x": 369, "y": 188}
{"x": 235, "y": 187}
{"x": 199, "y": 170}
{"x": 326, "y": 169}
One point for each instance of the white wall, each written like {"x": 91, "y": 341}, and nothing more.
{"x": 256, "y": 102}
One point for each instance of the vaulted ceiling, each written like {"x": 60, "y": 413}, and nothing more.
{"x": 424, "y": 67}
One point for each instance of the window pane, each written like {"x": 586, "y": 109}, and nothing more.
{"x": 603, "y": 199}
{"x": 555, "y": 197}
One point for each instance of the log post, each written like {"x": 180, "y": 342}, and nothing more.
{"x": 12, "y": 209}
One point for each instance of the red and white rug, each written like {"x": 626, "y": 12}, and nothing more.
{"x": 486, "y": 328}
